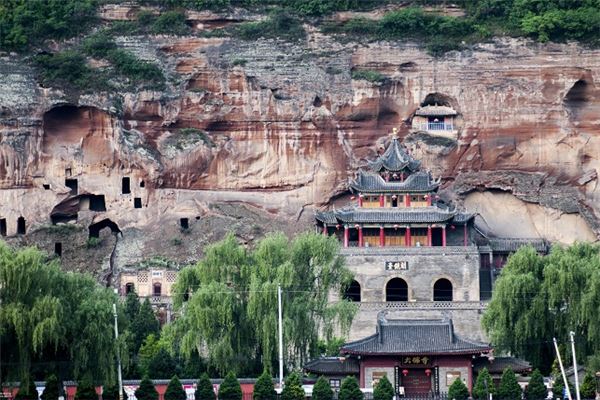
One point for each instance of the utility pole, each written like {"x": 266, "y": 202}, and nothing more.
{"x": 280, "y": 337}
{"x": 118, "y": 353}
{"x": 572, "y": 334}
{"x": 562, "y": 370}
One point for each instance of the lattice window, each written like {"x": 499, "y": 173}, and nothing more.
{"x": 142, "y": 277}
{"x": 171, "y": 276}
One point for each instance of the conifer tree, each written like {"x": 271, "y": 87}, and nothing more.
{"x": 144, "y": 324}
{"x": 112, "y": 393}
{"x": 484, "y": 385}
{"x": 292, "y": 389}
{"x": 264, "y": 388}
{"x": 162, "y": 365}
{"x": 27, "y": 390}
{"x": 175, "y": 390}
{"x": 458, "y": 390}
{"x": 51, "y": 390}
{"x": 230, "y": 388}
{"x": 588, "y": 387}
{"x": 132, "y": 306}
{"x": 536, "y": 390}
{"x": 383, "y": 390}
{"x": 322, "y": 390}
{"x": 349, "y": 389}
{"x": 509, "y": 388}
{"x": 204, "y": 388}
{"x": 146, "y": 390}
{"x": 86, "y": 390}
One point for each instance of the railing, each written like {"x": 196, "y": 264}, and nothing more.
{"x": 424, "y": 396}
{"x": 157, "y": 299}
{"x": 409, "y": 250}
{"x": 436, "y": 126}
{"x": 423, "y": 305}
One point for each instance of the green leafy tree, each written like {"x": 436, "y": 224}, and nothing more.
{"x": 175, "y": 390}
{"x": 458, "y": 390}
{"x": 509, "y": 388}
{"x": 86, "y": 391}
{"x": 230, "y": 388}
{"x": 349, "y": 389}
{"x": 51, "y": 389}
{"x": 292, "y": 388}
{"x": 144, "y": 324}
{"x": 588, "y": 386}
{"x": 27, "y": 390}
{"x": 537, "y": 297}
{"x": 383, "y": 390}
{"x": 132, "y": 306}
{"x": 232, "y": 308}
{"x": 146, "y": 390}
{"x": 484, "y": 385}
{"x": 204, "y": 389}
{"x": 322, "y": 390}
{"x": 536, "y": 390}
{"x": 162, "y": 364}
{"x": 264, "y": 388}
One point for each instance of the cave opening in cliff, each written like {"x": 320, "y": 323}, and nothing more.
{"x": 126, "y": 185}
{"x": 2, "y": 226}
{"x": 184, "y": 223}
{"x": 46, "y": 186}
{"x": 21, "y": 230}
{"x": 95, "y": 229}
{"x": 317, "y": 102}
{"x": 68, "y": 172}
{"x": 73, "y": 185}
{"x": 142, "y": 184}
{"x": 137, "y": 202}
{"x": 439, "y": 99}
{"x": 97, "y": 202}
{"x": 578, "y": 95}
{"x": 58, "y": 249}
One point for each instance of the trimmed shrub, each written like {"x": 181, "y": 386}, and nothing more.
{"x": 27, "y": 390}
{"x": 175, "y": 390}
{"x": 264, "y": 388}
{"x": 509, "y": 388}
{"x": 322, "y": 390}
{"x": 367, "y": 75}
{"x": 484, "y": 385}
{"x": 230, "y": 388}
{"x": 292, "y": 389}
{"x": 458, "y": 390}
{"x": 349, "y": 389}
{"x": 204, "y": 389}
{"x": 383, "y": 390}
{"x": 146, "y": 390}
{"x": 86, "y": 391}
{"x": 170, "y": 22}
{"x": 588, "y": 386}
{"x": 536, "y": 390}
{"x": 51, "y": 389}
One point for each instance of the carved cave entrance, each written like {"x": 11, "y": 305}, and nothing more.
{"x": 95, "y": 229}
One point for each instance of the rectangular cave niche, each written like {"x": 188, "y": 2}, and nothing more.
{"x": 2, "y": 226}
{"x": 137, "y": 202}
{"x": 97, "y": 203}
{"x": 58, "y": 249}
{"x": 184, "y": 223}
{"x": 126, "y": 185}
{"x": 73, "y": 185}
{"x": 21, "y": 230}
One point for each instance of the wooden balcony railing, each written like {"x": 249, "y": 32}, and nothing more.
{"x": 424, "y": 305}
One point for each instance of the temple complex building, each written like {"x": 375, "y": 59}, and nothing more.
{"x": 423, "y": 273}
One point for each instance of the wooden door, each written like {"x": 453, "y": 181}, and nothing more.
{"x": 416, "y": 382}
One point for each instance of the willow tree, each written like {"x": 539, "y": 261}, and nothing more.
{"x": 231, "y": 310}
{"x": 539, "y": 297}
{"x": 50, "y": 312}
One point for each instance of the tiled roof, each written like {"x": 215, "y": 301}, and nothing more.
{"x": 498, "y": 364}
{"x": 435, "y": 111}
{"x": 462, "y": 218}
{"x": 511, "y": 245}
{"x": 394, "y": 159}
{"x": 414, "y": 337}
{"x": 327, "y": 217}
{"x": 333, "y": 366}
{"x": 394, "y": 215}
{"x": 368, "y": 182}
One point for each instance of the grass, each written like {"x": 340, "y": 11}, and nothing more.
{"x": 93, "y": 242}
{"x": 193, "y": 133}
{"x": 239, "y": 62}
{"x": 368, "y": 75}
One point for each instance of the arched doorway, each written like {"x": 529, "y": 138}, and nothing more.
{"x": 352, "y": 292}
{"x": 396, "y": 290}
{"x": 95, "y": 229}
{"x": 129, "y": 288}
{"x": 442, "y": 290}
{"x": 156, "y": 289}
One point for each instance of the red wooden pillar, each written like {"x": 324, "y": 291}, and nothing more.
{"x": 429, "y": 236}
{"x": 381, "y": 201}
{"x": 407, "y": 237}
{"x": 360, "y": 200}
{"x": 346, "y": 236}
{"x": 443, "y": 236}
{"x": 360, "y": 236}
{"x": 324, "y": 229}
{"x": 381, "y": 237}
{"x": 465, "y": 235}
{"x": 407, "y": 200}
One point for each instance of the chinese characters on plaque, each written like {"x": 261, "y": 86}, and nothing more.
{"x": 396, "y": 265}
{"x": 416, "y": 360}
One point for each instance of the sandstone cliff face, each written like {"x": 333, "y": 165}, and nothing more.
{"x": 285, "y": 126}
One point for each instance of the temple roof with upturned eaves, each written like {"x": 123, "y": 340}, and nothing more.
{"x": 370, "y": 182}
{"x": 435, "y": 111}
{"x": 394, "y": 159}
{"x": 358, "y": 215}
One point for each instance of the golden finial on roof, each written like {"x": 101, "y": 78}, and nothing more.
{"x": 394, "y": 133}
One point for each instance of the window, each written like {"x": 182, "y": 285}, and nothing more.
{"x": 334, "y": 383}
{"x": 184, "y": 223}
{"x": 442, "y": 290}
{"x": 97, "y": 202}
{"x": 73, "y": 185}
{"x": 46, "y": 186}
{"x": 156, "y": 289}
{"x": 137, "y": 202}
{"x": 142, "y": 184}
{"x": 352, "y": 292}
{"x": 451, "y": 376}
{"x": 126, "y": 185}
{"x": 58, "y": 249}
{"x": 2, "y": 226}
{"x": 129, "y": 288}
{"x": 396, "y": 290}
{"x": 21, "y": 226}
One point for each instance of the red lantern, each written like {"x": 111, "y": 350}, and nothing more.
{"x": 404, "y": 372}
{"x": 428, "y": 372}
{"x": 452, "y": 227}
